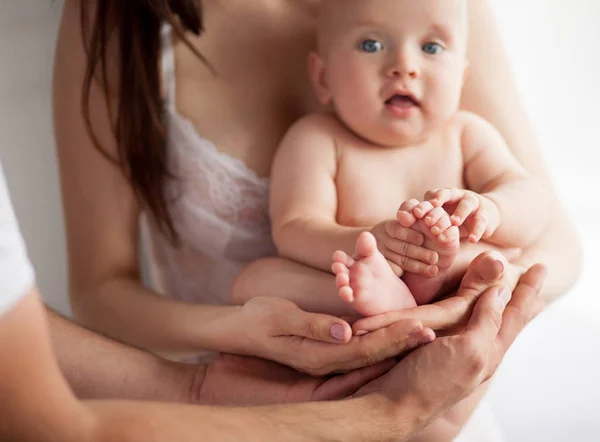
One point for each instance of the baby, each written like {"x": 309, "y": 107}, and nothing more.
{"x": 389, "y": 74}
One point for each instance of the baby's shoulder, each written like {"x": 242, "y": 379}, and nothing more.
{"x": 321, "y": 125}
{"x": 464, "y": 121}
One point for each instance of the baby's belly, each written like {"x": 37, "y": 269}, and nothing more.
{"x": 370, "y": 203}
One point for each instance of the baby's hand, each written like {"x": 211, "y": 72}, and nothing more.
{"x": 402, "y": 247}
{"x": 477, "y": 215}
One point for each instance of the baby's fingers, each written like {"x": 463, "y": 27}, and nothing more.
{"x": 467, "y": 205}
{"x": 479, "y": 225}
{"x": 442, "y": 196}
{"x": 405, "y": 215}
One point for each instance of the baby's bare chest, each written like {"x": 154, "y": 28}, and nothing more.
{"x": 372, "y": 183}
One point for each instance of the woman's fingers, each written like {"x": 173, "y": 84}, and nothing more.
{"x": 442, "y": 315}
{"x": 404, "y": 249}
{"x": 413, "y": 265}
{"x": 319, "y": 359}
{"x": 396, "y": 230}
{"x": 314, "y": 326}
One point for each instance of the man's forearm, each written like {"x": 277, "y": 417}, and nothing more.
{"x": 98, "y": 367}
{"x": 366, "y": 419}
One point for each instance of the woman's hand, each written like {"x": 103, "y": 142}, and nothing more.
{"x": 244, "y": 381}
{"x": 403, "y": 248}
{"x": 317, "y": 344}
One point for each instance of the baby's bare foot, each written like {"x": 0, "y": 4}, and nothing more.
{"x": 367, "y": 282}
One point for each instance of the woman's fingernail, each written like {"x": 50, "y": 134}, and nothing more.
{"x": 338, "y": 332}
{"x": 361, "y": 333}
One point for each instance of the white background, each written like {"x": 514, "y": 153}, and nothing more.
{"x": 547, "y": 389}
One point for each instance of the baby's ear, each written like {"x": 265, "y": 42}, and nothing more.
{"x": 316, "y": 71}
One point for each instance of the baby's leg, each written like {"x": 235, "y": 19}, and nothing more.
{"x": 311, "y": 289}
{"x": 366, "y": 280}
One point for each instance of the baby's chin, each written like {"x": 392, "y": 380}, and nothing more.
{"x": 396, "y": 134}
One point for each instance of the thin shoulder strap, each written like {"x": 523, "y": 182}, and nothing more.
{"x": 168, "y": 65}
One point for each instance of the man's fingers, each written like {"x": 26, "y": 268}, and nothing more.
{"x": 524, "y": 305}
{"x": 486, "y": 319}
{"x": 340, "y": 387}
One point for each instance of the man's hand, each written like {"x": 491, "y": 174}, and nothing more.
{"x": 240, "y": 381}
{"x": 442, "y": 373}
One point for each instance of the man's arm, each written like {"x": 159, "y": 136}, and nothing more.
{"x": 41, "y": 407}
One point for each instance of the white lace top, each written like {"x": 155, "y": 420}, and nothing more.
{"x": 220, "y": 210}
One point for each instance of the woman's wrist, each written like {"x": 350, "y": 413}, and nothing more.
{"x": 214, "y": 328}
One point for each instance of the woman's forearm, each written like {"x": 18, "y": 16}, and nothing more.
{"x": 524, "y": 210}
{"x": 559, "y": 249}
{"x": 97, "y": 367}
{"x": 491, "y": 92}
{"x": 126, "y": 311}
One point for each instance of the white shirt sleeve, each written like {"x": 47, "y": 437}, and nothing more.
{"x": 16, "y": 272}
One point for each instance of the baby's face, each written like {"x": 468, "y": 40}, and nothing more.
{"x": 392, "y": 69}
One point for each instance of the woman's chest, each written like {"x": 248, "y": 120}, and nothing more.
{"x": 256, "y": 84}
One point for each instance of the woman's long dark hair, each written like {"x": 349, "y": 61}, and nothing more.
{"x": 134, "y": 26}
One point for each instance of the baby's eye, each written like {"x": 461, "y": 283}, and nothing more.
{"x": 370, "y": 46}
{"x": 432, "y": 48}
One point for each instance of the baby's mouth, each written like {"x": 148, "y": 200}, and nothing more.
{"x": 401, "y": 101}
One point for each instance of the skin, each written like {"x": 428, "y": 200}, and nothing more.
{"x": 101, "y": 210}
{"x": 383, "y": 410}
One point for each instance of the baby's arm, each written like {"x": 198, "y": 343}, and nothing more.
{"x": 304, "y": 204}
{"x": 303, "y": 201}
{"x": 491, "y": 170}
{"x": 504, "y": 204}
